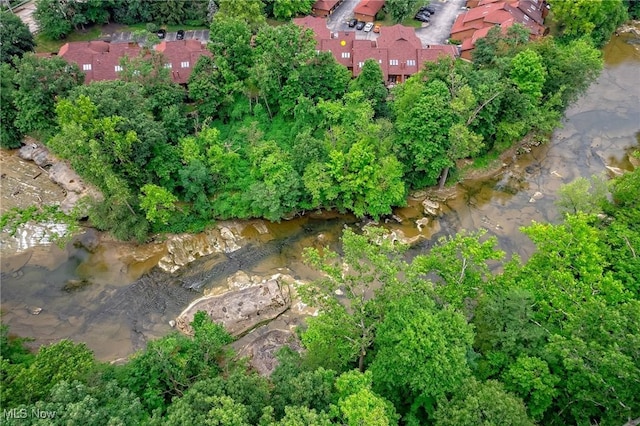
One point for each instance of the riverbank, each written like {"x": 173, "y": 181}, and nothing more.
{"x": 130, "y": 301}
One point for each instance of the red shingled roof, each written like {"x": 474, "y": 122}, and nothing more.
{"x": 341, "y": 46}
{"x": 390, "y": 35}
{"x": 181, "y": 56}
{"x": 325, "y": 4}
{"x": 368, "y": 7}
{"x": 318, "y": 25}
{"x": 101, "y": 60}
{"x": 476, "y": 23}
{"x": 397, "y": 49}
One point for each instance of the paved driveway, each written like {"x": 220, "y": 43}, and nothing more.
{"x": 435, "y": 32}
{"x": 127, "y": 36}
{"x": 438, "y": 30}
{"x": 341, "y": 16}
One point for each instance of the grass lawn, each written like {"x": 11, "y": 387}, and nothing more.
{"x": 46, "y": 45}
{"x": 485, "y": 160}
{"x": 408, "y": 22}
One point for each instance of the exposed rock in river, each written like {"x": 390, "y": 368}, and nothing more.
{"x": 240, "y": 310}
{"x": 431, "y": 207}
{"x": 60, "y": 173}
{"x": 261, "y": 345}
{"x": 614, "y": 171}
{"x": 183, "y": 249}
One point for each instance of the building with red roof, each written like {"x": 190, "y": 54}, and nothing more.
{"x": 100, "y": 60}
{"x": 317, "y": 25}
{"x": 486, "y": 14}
{"x": 324, "y": 8}
{"x": 367, "y": 10}
{"x": 397, "y": 49}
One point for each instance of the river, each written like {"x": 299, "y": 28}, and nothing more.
{"x": 129, "y": 301}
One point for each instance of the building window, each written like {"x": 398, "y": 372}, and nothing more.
{"x": 168, "y": 65}
{"x": 118, "y": 68}
{"x": 393, "y": 62}
{"x": 86, "y": 67}
{"x": 360, "y": 64}
{"x": 184, "y": 64}
{"x": 411, "y": 63}
{"x": 346, "y": 55}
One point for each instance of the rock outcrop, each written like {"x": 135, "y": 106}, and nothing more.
{"x": 60, "y": 173}
{"x": 183, "y": 249}
{"x": 241, "y": 310}
{"x": 431, "y": 207}
{"x": 261, "y": 345}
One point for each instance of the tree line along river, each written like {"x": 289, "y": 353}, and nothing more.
{"x": 125, "y": 305}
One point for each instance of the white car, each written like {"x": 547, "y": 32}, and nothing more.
{"x": 368, "y": 27}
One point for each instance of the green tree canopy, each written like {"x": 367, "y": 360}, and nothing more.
{"x": 39, "y": 82}
{"x": 596, "y": 18}
{"x": 16, "y": 37}
{"x": 10, "y": 136}
{"x": 482, "y": 404}
{"x": 420, "y": 355}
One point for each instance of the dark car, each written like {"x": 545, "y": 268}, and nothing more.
{"x": 360, "y": 25}
{"x": 162, "y": 33}
{"x": 424, "y": 12}
{"x": 421, "y": 17}
{"x": 353, "y": 23}
{"x": 180, "y": 35}
{"x": 429, "y": 9}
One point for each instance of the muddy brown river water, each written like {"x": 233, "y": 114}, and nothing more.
{"x": 128, "y": 301}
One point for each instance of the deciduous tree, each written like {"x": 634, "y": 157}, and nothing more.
{"x": 482, "y": 404}
{"x": 370, "y": 82}
{"x": 16, "y": 37}
{"x": 287, "y": 9}
{"x": 398, "y": 9}
{"x": 597, "y": 18}
{"x": 368, "y": 261}
{"x": 10, "y": 136}
{"x": 39, "y": 82}
{"x": 420, "y": 355}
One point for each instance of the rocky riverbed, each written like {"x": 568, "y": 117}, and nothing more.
{"x": 115, "y": 296}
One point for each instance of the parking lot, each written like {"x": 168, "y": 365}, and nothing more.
{"x": 343, "y": 13}
{"x": 437, "y": 31}
{"x": 127, "y": 36}
{"x": 434, "y": 32}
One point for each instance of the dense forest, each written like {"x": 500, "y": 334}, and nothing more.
{"x": 437, "y": 340}
{"x": 270, "y": 128}
{"x": 459, "y": 336}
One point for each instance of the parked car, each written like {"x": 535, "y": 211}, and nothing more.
{"x": 429, "y": 9}
{"x": 360, "y": 25}
{"x": 376, "y": 28}
{"x": 424, "y": 12}
{"x": 180, "y": 35}
{"x": 368, "y": 27}
{"x": 353, "y": 23}
{"x": 161, "y": 33}
{"x": 421, "y": 17}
